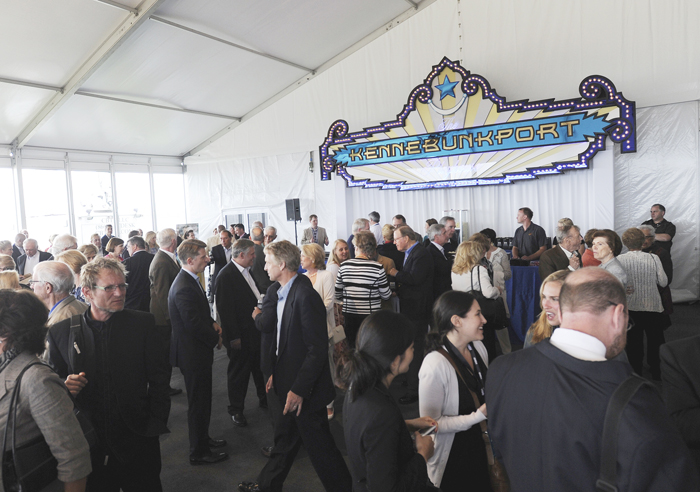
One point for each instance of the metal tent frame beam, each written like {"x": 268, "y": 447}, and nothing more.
{"x": 96, "y": 59}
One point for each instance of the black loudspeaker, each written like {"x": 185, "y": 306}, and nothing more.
{"x": 293, "y": 210}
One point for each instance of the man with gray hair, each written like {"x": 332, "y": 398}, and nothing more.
{"x": 357, "y": 226}
{"x": 161, "y": 275}
{"x": 52, "y": 282}
{"x": 18, "y": 247}
{"x": 31, "y": 258}
{"x": 236, "y": 297}
{"x": 262, "y": 280}
{"x": 442, "y": 279}
{"x": 64, "y": 242}
{"x": 270, "y": 235}
{"x": 565, "y": 254}
{"x": 137, "y": 270}
{"x": 572, "y": 377}
{"x": 451, "y": 235}
{"x": 374, "y": 226}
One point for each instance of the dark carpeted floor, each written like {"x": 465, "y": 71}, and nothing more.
{"x": 244, "y": 444}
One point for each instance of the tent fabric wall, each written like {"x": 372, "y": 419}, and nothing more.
{"x": 665, "y": 169}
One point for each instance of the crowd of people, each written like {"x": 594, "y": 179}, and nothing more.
{"x": 427, "y": 313}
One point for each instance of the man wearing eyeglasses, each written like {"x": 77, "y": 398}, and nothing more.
{"x": 559, "y": 391}
{"x": 113, "y": 363}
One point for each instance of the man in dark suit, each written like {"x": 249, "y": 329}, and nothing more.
{"x": 262, "y": 279}
{"x": 161, "y": 275}
{"x": 105, "y": 239}
{"x": 220, "y": 256}
{"x": 564, "y": 255}
{"x": 301, "y": 379}
{"x": 18, "y": 247}
{"x": 572, "y": 377}
{"x": 195, "y": 334}
{"x": 442, "y": 279}
{"x": 32, "y": 257}
{"x": 236, "y": 297}
{"x": 680, "y": 373}
{"x": 114, "y": 367}
{"x": 137, "y": 266}
{"x": 240, "y": 232}
{"x": 415, "y": 289}
{"x": 451, "y": 234}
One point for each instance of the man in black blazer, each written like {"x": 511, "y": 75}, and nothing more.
{"x": 31, "y": 248}
{"x": 113, "y": 366}
{"x": 442, "y": 279}
{"x": 236, "y": 297}
{"x": 301, "y": 378}
{"x": 18, "y": 246}
{"x": 680, "y": 373}
{"x": 415, "y": 289}
{"x": 105, "y": 239}
{"x": 137, "y": 266}
{"x": 195, "y": 334}
{"x": 262, "y": 279}
{"x": 564, "y": 255}
{"x": 220, "y": 256}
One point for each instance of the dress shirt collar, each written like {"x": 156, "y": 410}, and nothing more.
{"x": 171, "y": 255}
{"x": 408, "y": 252}
{"x": 193, "y": 275}
{"x": 579, "y": 345}
{"x": 568, "y": 253}
{"x": 440, "y": 248}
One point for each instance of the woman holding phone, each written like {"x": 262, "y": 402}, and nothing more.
{"x": 378, "y": 441}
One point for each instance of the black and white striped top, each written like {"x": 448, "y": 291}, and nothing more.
{"x": 361, "y": 284}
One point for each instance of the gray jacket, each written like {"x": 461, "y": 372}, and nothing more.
{"x": 45, "y": 408}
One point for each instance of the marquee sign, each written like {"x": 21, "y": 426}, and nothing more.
{"x": 456, "y": 131}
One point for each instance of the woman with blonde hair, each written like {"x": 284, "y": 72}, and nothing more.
{"x": 313, "y": 261}
{"x": 550, "y": 317}
{"x": 469, "y": 275}
{"x": 339, "y": 254}
{"x": 151, "y": 242}
{"x": 75, "y": 261}
{"x": 90, "y": 251}
{"x": 7, "y": 263}
{"x": 9, "y": 280}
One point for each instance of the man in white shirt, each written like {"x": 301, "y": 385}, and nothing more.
{"x": 236, "y": 298}
{"x": 31, "y": 258}
{"x": 559, "y": 391}
{"x": 374, "y": 226}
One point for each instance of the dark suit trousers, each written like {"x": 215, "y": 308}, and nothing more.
{"x": 241, "y": 365}
{"x": 198, "y": 381}
{"x": 651, "y": 324}
{"x": 141, "y": 473}
{"x": 421, "y": 330}
{"x": 310, "y": 428}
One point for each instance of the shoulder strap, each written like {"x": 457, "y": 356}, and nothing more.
{"x": 607, "y": 482}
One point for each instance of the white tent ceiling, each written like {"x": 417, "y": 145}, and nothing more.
{"x": 161, "y": 77}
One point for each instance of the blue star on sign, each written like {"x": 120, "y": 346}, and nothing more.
{"x": 447, "y": 88}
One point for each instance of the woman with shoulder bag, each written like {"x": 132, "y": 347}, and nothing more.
{"x": 43, "y": 406}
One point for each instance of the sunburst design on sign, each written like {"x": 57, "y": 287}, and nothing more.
{"x": 456, "y": 131}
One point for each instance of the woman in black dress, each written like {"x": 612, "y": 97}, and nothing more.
{"x": 451, "y": 389}
{"x": 378, "y": 441}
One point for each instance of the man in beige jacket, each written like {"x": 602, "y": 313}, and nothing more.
{"x": 52, "y": 281}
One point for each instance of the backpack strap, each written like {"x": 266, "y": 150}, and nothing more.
{"x": 607, "y": 481}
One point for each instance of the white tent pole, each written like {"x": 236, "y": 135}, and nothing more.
{"x": 119, "y": 6}
{"x": 16, "y": 163}
{"x": 69, "y": 189}
{"x": 31, "y": 84}
{"x": 98, "y": 57}
{"x": 154, "y": 222}
{"x": 114, "y": 196}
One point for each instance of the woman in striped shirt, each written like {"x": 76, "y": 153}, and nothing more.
{"x": 361, "y": 284}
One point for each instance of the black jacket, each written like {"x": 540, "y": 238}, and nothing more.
{"x": 415, "y": 281}
{"x": 138, "y": 369}
{"x": 302, "y": 363}
{"x": 193, "y": 337}
{"x": 138, "y": 295}
{"x": 218, "y": 258}
{"x": 260, "y": 276}
{"x": 389, "y": 250}
{"x": 22, "y": 260}
{"x": 442, "y": 278}
{"x": 235, "y": 302}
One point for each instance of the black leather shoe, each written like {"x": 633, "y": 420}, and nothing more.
{"x": 263, "y": 402}
{"x": 266, "y": 451}
{"x": 174, "y": 391}
{"x": 209, "y": 459}
{"x": 249, "y": 487}
{"x": 239, "y": 420}
{"x": 217, "y": 443}
{"x": 407, "y": 399}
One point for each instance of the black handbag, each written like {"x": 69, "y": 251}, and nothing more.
{"x": 31, "y": 466}
{"x": 493, "y": 309}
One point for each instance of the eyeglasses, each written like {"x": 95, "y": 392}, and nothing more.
{"x": 649, "y": 236}
{"x": 111, "y": 288}
{"x": 630, "y": 321}
{"x": 37, "y": 282}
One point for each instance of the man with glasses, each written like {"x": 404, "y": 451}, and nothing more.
{"x": 564, "y": 255}
{"x": 31, "y": 257}
{"x": 113, "y": 363}
{"x": 52, "y": 282}
{"x": 270, "y": 235}
{"x": 195, "y": 334}
{"x": 559, "y": 390}
{"x": 415, "y": 289}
